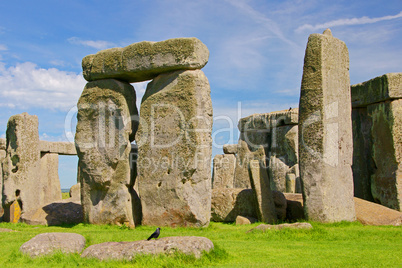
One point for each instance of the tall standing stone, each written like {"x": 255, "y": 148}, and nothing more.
{"x": 262, "y": 191}
{"x": 223, "y": 171}
{"x": 49, "y": 175}
{"x": 22, "y": 164}
{"x": 325, "y": 131}
{"x": 2, "y": 156}
{"x": 174, "y": 150}
{"x": 105, "y": 130}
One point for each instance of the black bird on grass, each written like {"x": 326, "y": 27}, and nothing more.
{"x": 155, "y": 234}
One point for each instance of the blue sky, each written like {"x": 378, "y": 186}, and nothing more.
{"x": 256, "y": 52}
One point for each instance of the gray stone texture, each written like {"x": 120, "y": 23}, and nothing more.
{"x": 75, "y": 192}
{"x": 49, "y": 176}
{"x": 227, "y": 204}
{"x": 66, "y": 211}
{"x": 21, "y": 165}
{"x": 49, "y": 243}
{"x": 223, "y": 171}
{"x": 174, "y": 150}
{"x": 191, "y": 245}
{"x": 379, "y": 89}
{"x": 145, "y": 60}
{"x": 386, "y": 132}
{"x": 277, "y": 134}
{"x": 107, "y": 123}
{"x": 376, "y": 136}
{"x": 325, "y": 131}
{"x": 61, "y": 148}
{"x": 230, "y": 148}
{"x": 262, "y": 192}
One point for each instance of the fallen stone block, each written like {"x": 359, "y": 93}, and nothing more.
{"x": 191, "y": 245}
{"x": 48, "y": 243}
{"x": 227, "y": 204}
{"x": 296, "y": 225}
{"x": 67, "y": 211}
{"x": 240, "y": 220}
{"x": 369, "y": 213}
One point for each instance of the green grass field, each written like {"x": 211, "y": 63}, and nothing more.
{"x": 326, "y": 245}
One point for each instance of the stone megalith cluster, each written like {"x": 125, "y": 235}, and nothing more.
{"x": 172, "y": 177}
{"x": 377, "y": 134}
{"x": 325, "y": 131}
{"x": 29, "y": 174}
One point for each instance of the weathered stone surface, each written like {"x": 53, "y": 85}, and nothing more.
{"x": 280, "y": 204}
{"x": 49, "y": 175}
{"x": 191, "y": 245}
{"x": 174, "y": 150}
{"x": 223, "y": 171}
{"x": 62, "y": 148}
{"x": 363, "y": 164}
{"x": 240, "y": 220}
{"x": 48, "y": 243}
{"x": 379, "y": 89}
{"x": 369, "y": 213}
{"x": 277, "y": 170}
{"x": 294, "y": 207}
{"x": 146, "y": 60}
{"x": 296, "y": 225}
{"x": 243, "y": 157}
{"x": 230, "y": 148}
{"x": 21, "y": 164}
{"x": 267, "y": 121}
{"x": 75, "y": 192}
{"x": 262, "y": 192}
{"x": 227, "y": 204}
{"x": 67, "y": 211}
{"x": 325, "y": 131}
{"x": 386, "y": 133}
{"x": 3, "y": 144}
{"x": 107, "y": 122}
{"x": 2, "y": 156}
{"x": 290, "y": 183}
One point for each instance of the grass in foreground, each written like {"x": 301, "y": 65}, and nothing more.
{"x": 326, "y": 245}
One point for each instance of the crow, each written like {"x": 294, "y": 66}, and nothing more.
{"x": 155, "y": 234}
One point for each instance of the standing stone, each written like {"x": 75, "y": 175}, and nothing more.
{"x": 2, "y": 156}
{"x": 49, "y": 176}
{"x": 105, "y": 129}
{"x": 325, "y": 131}
{"x": 223, "y": 171}
{"x": 243, "y": 158}
{"x": 363, "y": 164}
{"x": 262, "y": 191}
{"x": 386, "y": 182}
{"x": 174, "y": 150}
{"x": 22, "y": 164}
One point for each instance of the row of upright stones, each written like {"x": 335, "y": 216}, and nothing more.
{"x": 311, "y": 150}
{"x": 168, "y": 181}
{"x": 306, "y": 150}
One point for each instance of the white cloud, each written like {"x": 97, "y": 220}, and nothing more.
{"x": 98, "y": 44}
{"x": 343, "y": 22}
{"x": 3, "y": 47}
{"x": 26, "y": 85}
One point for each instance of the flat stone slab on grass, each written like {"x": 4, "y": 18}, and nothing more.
{"x": 167, "y": 245}
{"x": 297, "y": 225}
{"x": 48, "y": 243}
{"x": 369, "y": 213}
{"x": 5, "y": 230}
